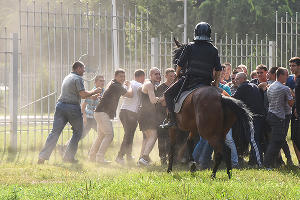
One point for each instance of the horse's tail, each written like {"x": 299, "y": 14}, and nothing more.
{"x": 245, "y": 118}
{"x": 244, "y": 115}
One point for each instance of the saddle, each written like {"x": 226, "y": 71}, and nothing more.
{"x": 181, "y": 99}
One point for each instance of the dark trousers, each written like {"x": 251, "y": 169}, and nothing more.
{"x": 163, "y": 142}
{"x": 90, "y": 124}
{"x": 285, "y": 146}
{"x": 129, "y": 122}
{"x": 278, "y": 137}
{"x": 258, "y": 124}
{"x": 171, "y": 93}
{"x": 295, "y": 131}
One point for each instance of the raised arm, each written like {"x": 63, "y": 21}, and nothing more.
{"x": 149, "y": 89}
{"x": 84, "y": 94}
{"x": 129, "y": 92}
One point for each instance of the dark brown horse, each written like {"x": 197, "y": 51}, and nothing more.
{"x": 211, "y": 115}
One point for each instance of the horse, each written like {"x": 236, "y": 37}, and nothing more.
{"x": 210, "y": 114}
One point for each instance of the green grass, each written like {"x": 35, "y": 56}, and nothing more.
{"x": 89, "y": 181}
{"x": 22, "y": 178}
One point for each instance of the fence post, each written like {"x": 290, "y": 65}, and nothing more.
{"x": 115, "y": 36}
{"x": 13, "y": 94}
{"x": 272, "y": 54}
{"x": 154, "y": 52}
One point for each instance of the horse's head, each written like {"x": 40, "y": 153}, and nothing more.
{"x": 178, "y": 52}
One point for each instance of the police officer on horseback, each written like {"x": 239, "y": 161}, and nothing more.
{"x": 200, "y": 64}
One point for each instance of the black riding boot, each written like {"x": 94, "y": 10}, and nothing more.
{"x": 170, "y": 121}
{"x": 170, "y": 95}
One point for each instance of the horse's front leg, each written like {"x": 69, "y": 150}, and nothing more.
{"x": 190, "y": 144}
{"x": 172, "y": 137}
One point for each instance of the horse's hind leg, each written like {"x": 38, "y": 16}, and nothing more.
{"x": 190, "y": 144}
{"x": 227, "y": 156}
{"x": 218, "y": 159}
{"x": 218, "y": 148}
{"x": 172, "y": 136}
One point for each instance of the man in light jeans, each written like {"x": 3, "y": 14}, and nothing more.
{"x": 105, "y": 112}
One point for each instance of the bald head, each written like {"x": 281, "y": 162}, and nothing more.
{"x": 240, "y": 78}
{"x": 153, "y": 70}
{"x": 155, "y": 75}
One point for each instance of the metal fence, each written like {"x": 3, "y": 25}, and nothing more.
{"x": 5, "y": 57}
{"x": 52, "y": 36}
{"x": 245, "y": 50}
{"x": 250, "y": 50}
{"x": 287, "y": 37}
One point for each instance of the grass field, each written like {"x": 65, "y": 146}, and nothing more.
{"x": 22, "y": 178}
{"x": 89, "y": 181}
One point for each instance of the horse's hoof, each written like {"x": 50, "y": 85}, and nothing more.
{"x": 169, "y": 170}
{"x": 193, "y": 166}
{"x": 229, "y": 176}
{"x": 213, "y": 176}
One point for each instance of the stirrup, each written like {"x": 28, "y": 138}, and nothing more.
{"x": 169, "y": 124}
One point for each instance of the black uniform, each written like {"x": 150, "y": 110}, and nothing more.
{"x": 296, "y": 128}
{"x": 198, "y": 61}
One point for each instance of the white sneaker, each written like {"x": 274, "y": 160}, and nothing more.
{"x": 143, "y": 162}
{"x": 103, "y": 161}
{"x": 120, "y": 161}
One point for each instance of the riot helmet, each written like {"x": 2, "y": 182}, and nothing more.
{"x": 202, "y": 32}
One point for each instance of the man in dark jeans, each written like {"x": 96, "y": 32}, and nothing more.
{"x": 279, "y": 97}
{"x": 162, "y": 134}
{"x": 128, "y": 117}
{"x": 68, "y": 110}
{"x": 295, "y": 122}
{"x": 253, "y": 98}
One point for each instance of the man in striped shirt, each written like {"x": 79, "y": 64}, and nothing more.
{"x": 279, "y": 97}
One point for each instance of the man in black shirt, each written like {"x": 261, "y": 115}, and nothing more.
{"x": 162, "y": 134}
{"x": 295, "y": 132}
{"x": 250, "y": 94}
{"x": 105, "y": 112}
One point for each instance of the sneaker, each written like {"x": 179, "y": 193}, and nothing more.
{"x": 74, "y": 161}
{"x": 120, "y": 160}
{"x": 130, "y": 158}
{"x": 143, "y": 162}
{"x": 103, "y": 161}
{"x": 41, "y": 161}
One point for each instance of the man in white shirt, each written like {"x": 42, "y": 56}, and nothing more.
{"x": 128, "y": 117}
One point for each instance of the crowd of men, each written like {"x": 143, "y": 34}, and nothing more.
{"x": 272, "y": 96}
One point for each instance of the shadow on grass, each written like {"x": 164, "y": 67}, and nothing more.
{"x": 78, "y": 167}
{"x": 290, "y": 170}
